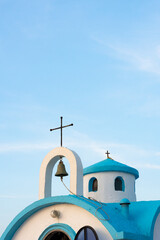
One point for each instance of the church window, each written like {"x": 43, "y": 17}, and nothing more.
{"x": 86, "y": 233}
{"x": 119, "y": 184}
{"x": 57, "y": 235}
{"x": 93, "y": 185}
{"x": 58, "y": 231}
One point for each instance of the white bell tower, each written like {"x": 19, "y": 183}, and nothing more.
{"x": 76, "y": 171}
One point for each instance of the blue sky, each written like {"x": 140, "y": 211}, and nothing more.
{"x": 97, "y": 64}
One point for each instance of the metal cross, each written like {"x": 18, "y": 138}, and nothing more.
{"x": 107, "y": 154}
{"x": 61, "y": 128}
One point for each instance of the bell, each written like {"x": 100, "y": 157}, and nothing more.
{"x": 61, "y": 170}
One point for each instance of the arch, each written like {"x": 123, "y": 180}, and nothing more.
{"x": 57, "y": 235}
{"x": 119, "y": 184}
{"x": 76, "y": 171}
{"x": 86, "y": 233}
{"x": 93, "y": 185}
{"x": 58, "y": 227}
{"x": 46, "y": 202}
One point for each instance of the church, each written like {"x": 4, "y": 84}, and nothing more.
{"x": 101, "y": 204}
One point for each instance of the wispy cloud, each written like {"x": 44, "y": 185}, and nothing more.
{"x": 151, "y": 107}
{"x": 92, "y": 151}
{"x": 15, "y": 197}
{"x": 149, "y": 166}
{"x": 22, "y": 147}
{"x": 139, "y": 59}
{"x": 129, "y": 154}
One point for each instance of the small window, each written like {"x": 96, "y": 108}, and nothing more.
{"x": 93, "y": 185}
{"x": 86, "y": 233}
{"x": 57, "y": 235}
{"x": 119, "y": 184}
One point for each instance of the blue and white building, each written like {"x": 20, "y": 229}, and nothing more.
{"x": 102, "y": 205}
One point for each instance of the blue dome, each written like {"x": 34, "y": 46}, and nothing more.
{"x": 110, "y": 165}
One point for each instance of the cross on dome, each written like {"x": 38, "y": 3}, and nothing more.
{"x": 107, "y": 154}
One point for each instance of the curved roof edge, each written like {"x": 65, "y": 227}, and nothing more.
{"x": 110, "y": 165}
{"x": 140, "y": 224}
{"x": 80, "y": 201}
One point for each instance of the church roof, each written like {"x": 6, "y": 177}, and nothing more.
{"x": 139, "y": 224}
{"x": 109, "y": 165}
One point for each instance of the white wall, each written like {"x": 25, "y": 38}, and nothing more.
{"x": 156, "y": 233}
{"x": 106, "y": 191}
{"x": 76, "y": 217}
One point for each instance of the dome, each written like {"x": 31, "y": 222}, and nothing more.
{"x": 110, "y": 165}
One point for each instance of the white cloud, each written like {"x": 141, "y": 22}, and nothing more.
{"x": 133, "y": 155}
{"x": 151, "y": 107}
{"x": 15, "y": 197}
{"x": 22, "y": 147}
{"x": 92, "y": 151}
{"x": 138, "y": 58}
{"x": 157, "y": 153}
{"x": 149, "y": 165}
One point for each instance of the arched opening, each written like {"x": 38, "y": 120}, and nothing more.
{"x": 57, "y": 235}
{"x": 76, "y": 171}
{"x": 58, "y": 231}
{"x": 93, "y": 185}
{"x": 119, "y": 184}
{"x": 86, "y": 233}
{"x": 56, "y": 181}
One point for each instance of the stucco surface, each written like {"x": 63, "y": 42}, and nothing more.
{"x": 156, "y": 233}
{"x": 72, "y": 215}
{"x": 105, "y": 218}
{"x": 106, "y": 190}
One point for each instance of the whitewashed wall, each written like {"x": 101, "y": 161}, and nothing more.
{"x": 156, "y": 233}
{"x": 106, "y": 190}
{"x": 76, "y": 217}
